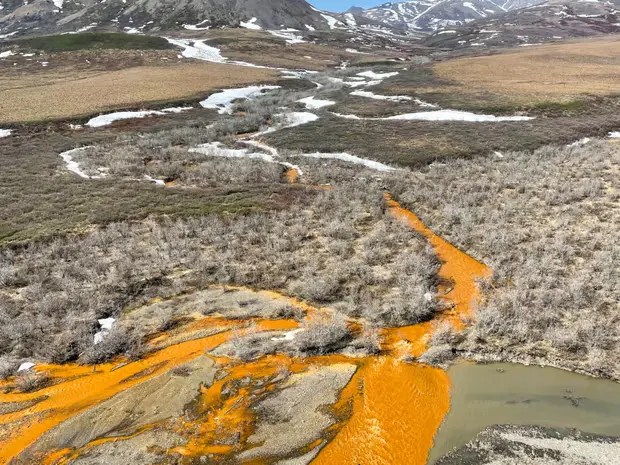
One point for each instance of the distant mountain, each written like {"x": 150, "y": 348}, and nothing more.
{"x": 431, "y": 15}
{"x": 46, "y": 16}
{"x": 555, "y": 20}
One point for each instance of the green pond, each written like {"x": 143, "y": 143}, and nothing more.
{"x": 512, "y": 394}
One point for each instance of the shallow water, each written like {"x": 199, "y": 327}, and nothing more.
{"x": 500, "y": 393}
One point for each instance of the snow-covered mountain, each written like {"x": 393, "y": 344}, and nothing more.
{"x": 431, "y": 15}
{"x": 46, "y": 16}
{"x": 552, "y": 21}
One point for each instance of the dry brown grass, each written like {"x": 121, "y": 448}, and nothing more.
{"x": 548, "y": 72}
{"x": 264, "y": 49}
{"x": 54, "y": 94}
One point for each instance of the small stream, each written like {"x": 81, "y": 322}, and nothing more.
{"x": 502, "y": 394}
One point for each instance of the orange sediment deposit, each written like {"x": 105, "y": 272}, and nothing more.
{"x": 396, "y": 409}
{"x": 223, "y": 420}
{"x": 461, "y": 271}
{"x": 388, "y": 413}
{"x": 291, "y": 175}
{"x": 80, "y": 387}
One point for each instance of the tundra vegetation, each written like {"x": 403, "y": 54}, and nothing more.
{"x": 542, "y": 218}
{"x": 546, "y": 222}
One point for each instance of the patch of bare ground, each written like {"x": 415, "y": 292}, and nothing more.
{"x": 56, "y": 94}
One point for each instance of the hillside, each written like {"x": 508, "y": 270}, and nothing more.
{"x": 46, "y": 16}
{"x": 554, "y": 21}
{"x": 430, "y": 15}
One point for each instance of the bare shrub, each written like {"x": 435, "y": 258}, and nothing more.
{"x": 30, "y": 381}
{"x": 8, "y": 368}
{"x": 322, "y": 336}
{"x": 183, "y": 371}
{"x": 438, "y": 355}
{"x": 544, "y": 221}
{"x": 116, "y": 342}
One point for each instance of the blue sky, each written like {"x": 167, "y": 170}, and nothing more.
{"x": 341, "y": 5}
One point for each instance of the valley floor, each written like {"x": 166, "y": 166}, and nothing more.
{"x": 279, "y": 269}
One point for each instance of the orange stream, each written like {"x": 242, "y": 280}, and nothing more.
{"x": 459, "y": 274}
{"x": 392, "y": 408}
{"x": 396, "y": 409}
{"x": 399, "y": 406}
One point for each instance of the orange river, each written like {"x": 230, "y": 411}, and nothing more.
{"x": 393, "y": 407}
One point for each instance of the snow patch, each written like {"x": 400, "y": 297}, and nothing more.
{"x": 5, "y": 133}
{"x": 390, "y": 98}
{"x": 223, "y": 100}
{"x": 107, "y": 119}
{"x": 313, "y": 103}
{"x": 106, "y": 325}
{"x": 159, "y": 182}
{"x": 346, "y": 157}
{"x": 614, "y": 134}
{"x": 444, "y": 115}
{"x": 373, "y": 75}
{"x": 332, "y": 22}
{"x": 74, "y": 166}
{"x": 289, "y": 36}
{"x": 216, "y": 149}
{"x": 580, "y": 142}
{"x": 356, "y": 52}
{"x": 26, "y": 366}
{"x": 198, "y": 49}
{"x": 251, "y": 24}
{"x": 6, "y": 54}
{"x": 287, "y": 336}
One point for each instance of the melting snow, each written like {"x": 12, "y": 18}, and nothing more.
{"x": 216, "y": 149}
{"x": 6, "y": 54}
{"x": 159, "y": 182}
{"x": 104, "y": 120}
{"x": 58, "y": 3}
{"x": 106, "y": 325}
{"x": 290, "y": 120}
{"x": 223, "y": 100}
{"x": 74, "y": 166}
{"x": 373, "y": 75}
{"x": 375, "y": 165}
{"x": 391, "y": 98}
{"x": 289, "y": 36}
{"x": 26, "y": 366}
{"x": 198, "y": 49}
{"x": 5, "y": 132}
{"x": 287, "y": 336}
{"x": 251, "y": 24}
{"x": 580, "y": 142}
{"x": 332, "y": 22}
{"x": 445, "y": 115}
{"x": 314, "y": 103}
{"x": 614, "y": 134}
{"x": 195, "y": 27}
{"x": 357, "y": 52}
